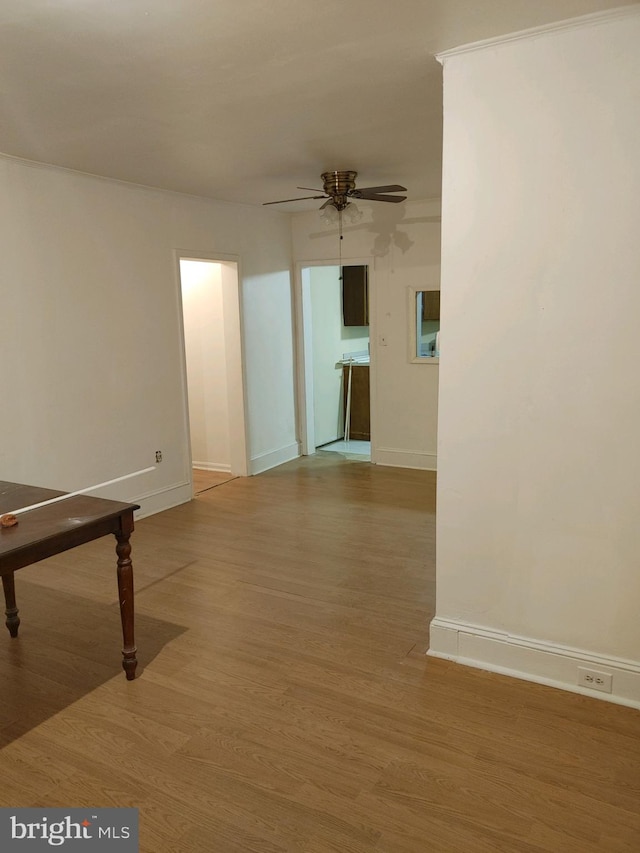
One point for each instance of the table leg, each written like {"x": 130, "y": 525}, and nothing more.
{"x": 125, "y": 591}
{"x": 11, "y": 611}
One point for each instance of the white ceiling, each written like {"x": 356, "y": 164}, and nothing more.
{"x": 242, "y": 100}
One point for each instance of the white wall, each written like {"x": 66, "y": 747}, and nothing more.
{"x": 538, "y": 496}
{"x": 402, "y": 246}
{"x": 204, "y": 336}
{"x": 90, "y": 329}
{"x": 331, "y": 339}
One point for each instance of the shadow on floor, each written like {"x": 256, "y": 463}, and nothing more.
{"x": 67, "y": 647}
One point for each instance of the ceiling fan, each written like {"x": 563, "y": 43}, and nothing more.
{"x": 338, "y": 188}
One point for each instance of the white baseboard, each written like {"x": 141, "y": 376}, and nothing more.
{"x": 166, "y": 498}
{"x": 212, "y": 466}
{"x": 533, "y": 660}
{"x": 273, "y": 458}
{"x": 405, "y": 458}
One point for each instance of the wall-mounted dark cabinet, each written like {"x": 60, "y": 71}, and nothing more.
{"x": 355, "y": 296}
{"x": 430, "y": 304}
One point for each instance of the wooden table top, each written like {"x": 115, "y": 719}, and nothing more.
{"x": 53, "y": 521}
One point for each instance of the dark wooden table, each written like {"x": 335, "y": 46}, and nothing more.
{"x": 56, "y": 527}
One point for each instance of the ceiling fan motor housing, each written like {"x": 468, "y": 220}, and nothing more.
{"x": 339, "y": 185}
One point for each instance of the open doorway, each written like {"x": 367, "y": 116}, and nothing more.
{"x": 213, "y": 370}
{"x": 335, "y": 359}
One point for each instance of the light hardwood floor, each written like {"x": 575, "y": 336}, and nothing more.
{"x": 284, "y": 703}
{"x": 203, "y": 480}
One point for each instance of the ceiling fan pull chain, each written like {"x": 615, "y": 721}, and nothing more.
{"x": 340, "y": 243}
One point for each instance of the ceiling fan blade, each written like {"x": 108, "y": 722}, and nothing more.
{"x": 300, "y": 198}
{"x": 313, "y": 189}
{"x": 365, "y": 196}
{"x": 390, "y": 188}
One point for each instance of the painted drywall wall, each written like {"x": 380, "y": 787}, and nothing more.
{"x": 401, "y": 244}
{"x": 331, "y": 339}
{"x": 204, "y": 339}
{"x": 90, "y": 327}
{"x": 538, "y": 498}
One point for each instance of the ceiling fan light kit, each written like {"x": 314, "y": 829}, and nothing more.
{"x": 330, "y": 214}
{"x": 352, "y": 213}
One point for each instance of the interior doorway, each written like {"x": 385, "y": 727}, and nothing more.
{"x": 214, "y": 387}
{"x": 334, "y": 359}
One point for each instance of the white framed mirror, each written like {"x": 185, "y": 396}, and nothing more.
{"x": 424, "y": 326}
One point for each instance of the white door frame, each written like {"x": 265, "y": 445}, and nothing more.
{"x": 234, "y": 355}
{"x": 304, "y": 347}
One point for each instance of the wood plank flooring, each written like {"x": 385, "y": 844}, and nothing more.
{"x": 284, "y": 702}
{"x": 204, "y": 480}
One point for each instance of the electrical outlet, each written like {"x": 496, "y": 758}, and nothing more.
{"x": 594, "y": 679}
{"x": 158, "y": 456}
